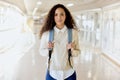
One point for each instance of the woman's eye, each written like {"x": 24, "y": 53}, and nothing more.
{"x": 55, "y": 14}
{"x": 62, "y": 14}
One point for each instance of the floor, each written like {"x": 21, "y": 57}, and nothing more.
{"x": 92, "y": 65}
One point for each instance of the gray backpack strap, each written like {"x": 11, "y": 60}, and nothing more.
{"x": 51, "y": 37}
{"x": 69, "y": 41}
{"x": 69, "y": 35}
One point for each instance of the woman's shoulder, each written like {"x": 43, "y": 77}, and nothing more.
{"x": 75, "y": 33}
{"x": 46, "y": 33}
{"x": 75, "y": 30}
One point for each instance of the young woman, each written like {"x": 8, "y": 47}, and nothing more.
{"x": 60, "y": 63}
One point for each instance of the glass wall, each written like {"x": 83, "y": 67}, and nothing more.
{"x": 16, "y": 39}
{"x": 101, "y": 29}
{"x": 111, "y": 33}
{"x": 89, "y": 26}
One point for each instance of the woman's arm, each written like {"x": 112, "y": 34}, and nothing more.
{"x": 44, "y": 44}
{"x": 76, "y": 45}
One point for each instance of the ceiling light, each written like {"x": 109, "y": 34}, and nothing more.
{"x": 39, "y": 3}
{"x": 69, "y": 5}
{"x": 34, "y": 11}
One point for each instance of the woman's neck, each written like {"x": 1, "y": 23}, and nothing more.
{"x": 59, "y": 26}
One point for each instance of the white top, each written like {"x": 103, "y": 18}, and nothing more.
{"x": 61, "y": 75}
{"x": 59, "y": 64}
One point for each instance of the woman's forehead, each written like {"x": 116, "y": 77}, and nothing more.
{"x": 59, "y": 10}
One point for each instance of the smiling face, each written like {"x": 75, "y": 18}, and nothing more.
{"x": 59, "y": 17}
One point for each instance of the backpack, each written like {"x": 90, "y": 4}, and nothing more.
{"x": 51, "y": 37}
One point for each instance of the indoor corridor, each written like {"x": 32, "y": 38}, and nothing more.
{"x": 98, "y": 23}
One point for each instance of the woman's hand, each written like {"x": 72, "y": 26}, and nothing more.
{"x": 50, "y": 45}
{"x": 70, "y": 46}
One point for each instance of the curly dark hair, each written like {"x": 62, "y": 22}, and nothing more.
{"x": 50, "y": 23}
